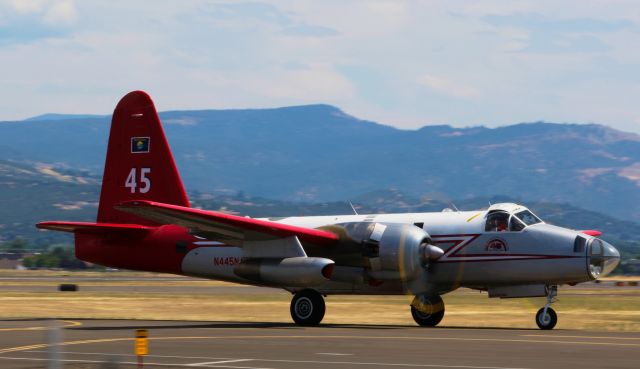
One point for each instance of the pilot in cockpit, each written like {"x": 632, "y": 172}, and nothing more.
{"x": 501, "y": 225}
{"x": 497, "y": 222}
{"x": 502, "y": 221}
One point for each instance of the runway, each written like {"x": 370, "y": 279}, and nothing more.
{"x": 175, "y": 344}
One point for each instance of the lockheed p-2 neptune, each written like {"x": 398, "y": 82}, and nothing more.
{"x": 145, "y": 223}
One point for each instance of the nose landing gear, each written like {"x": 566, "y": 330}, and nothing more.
{"x": 427, "y": 311}
{"x": 546, "y": 318}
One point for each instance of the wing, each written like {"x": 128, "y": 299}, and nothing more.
{"x": 86, "y": 227}
{"x": 231, "y": 229}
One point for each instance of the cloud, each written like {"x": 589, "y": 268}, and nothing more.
{"x": 31, "y": 20}
{"x": 448, "y": 87}
{"x": 25, "y": 6}
{"x": 49, "y": 11}
{"x": 310, "y": 31}
{"x": 287, "y": 22}
{"x": 248, "y": 10}
{"x": 61, "y": 12}
{"x": 319, "y": 82}
{"x": 387, "y": 7}
{"x": 539, "y": 22}
{"x": 561, "y": 35}
{"x": 406, "y": 63}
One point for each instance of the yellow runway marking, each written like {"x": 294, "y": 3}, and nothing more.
{"x": 587, "y": 337}
{"x": 70, "y": 323}
{"x": 38, "y": 346}
{"x": 23, "y": 348}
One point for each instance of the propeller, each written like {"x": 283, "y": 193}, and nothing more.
{"x": 432, "y": 252}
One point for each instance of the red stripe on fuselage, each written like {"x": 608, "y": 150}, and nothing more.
{"x": 463, "y": 259}
{"x": 461, "y": 241}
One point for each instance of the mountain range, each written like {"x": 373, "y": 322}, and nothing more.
{"x": 317, "y": 153}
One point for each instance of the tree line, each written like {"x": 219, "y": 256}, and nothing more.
{"x": 56, "y": 256}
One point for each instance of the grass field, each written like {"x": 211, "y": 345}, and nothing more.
{"x": 129, "y": 295}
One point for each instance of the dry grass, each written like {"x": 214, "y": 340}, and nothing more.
{"x": 88, "y": 274}
{"x": 608, "y": 309}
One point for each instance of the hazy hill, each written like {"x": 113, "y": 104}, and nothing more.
{"x": 35, "y": 193}
{"x": 317, "y": 153}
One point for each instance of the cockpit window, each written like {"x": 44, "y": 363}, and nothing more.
{"x": 501, "y": 221}
{"x": 515, "y": 225}
{"x": 497, "y": 222}
{"x": 528, "y": 218}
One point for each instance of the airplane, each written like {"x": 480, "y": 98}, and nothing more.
{"x": 145, "y": 222}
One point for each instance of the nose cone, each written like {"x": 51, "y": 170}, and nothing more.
{"x": 611, "y": 258}
{"x": 603, "y": 258}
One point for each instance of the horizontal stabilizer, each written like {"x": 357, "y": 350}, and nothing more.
{"x": 223, "y": 227}
{"x": 86, "y": 227}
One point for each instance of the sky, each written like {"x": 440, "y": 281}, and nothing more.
{"x": 401, "y": 63}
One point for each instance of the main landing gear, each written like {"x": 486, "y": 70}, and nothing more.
{"x": 427, "y": 311}
{"x": 307, "y": 308}
{"x": 546, "y": 318}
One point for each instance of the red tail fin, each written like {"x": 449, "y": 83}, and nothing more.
{"x": 139, "y": 164}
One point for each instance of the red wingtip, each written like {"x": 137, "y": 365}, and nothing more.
{"x": 592, "y": 232}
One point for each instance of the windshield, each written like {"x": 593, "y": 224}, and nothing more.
{"x": 528, "y": 218}
{"x": 515, "y": 225}
{"x": 502, "y": 221}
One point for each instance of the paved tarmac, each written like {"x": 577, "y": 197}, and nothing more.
{"x": 103, "y": 344}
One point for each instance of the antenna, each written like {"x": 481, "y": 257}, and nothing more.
{"x": 454, "y": 206}
{"x": 352, "y": 208}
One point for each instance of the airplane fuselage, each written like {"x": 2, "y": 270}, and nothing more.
{"x": 473, "y": 257}
{"x": 540, "y": 254}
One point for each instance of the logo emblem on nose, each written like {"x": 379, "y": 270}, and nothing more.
{"x": 496, "y": 244}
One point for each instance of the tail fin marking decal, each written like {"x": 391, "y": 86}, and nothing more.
{"x": 139, "y": 163}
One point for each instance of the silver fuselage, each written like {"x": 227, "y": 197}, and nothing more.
{"x": 539, "y": 255}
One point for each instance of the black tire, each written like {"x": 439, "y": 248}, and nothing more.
{"x": 546, "y": 322}
{"x": 307, "y": 308}
{"x": 427, "y": 311}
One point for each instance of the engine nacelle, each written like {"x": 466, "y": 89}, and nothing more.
{"x": 392, "y": 251}
{"x": 291, "y": 272}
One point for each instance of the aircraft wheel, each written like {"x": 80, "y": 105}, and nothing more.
{"x": 307, "y": 308}
{"x": 427, "y": 311}
{"x": 548, "y": 320}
